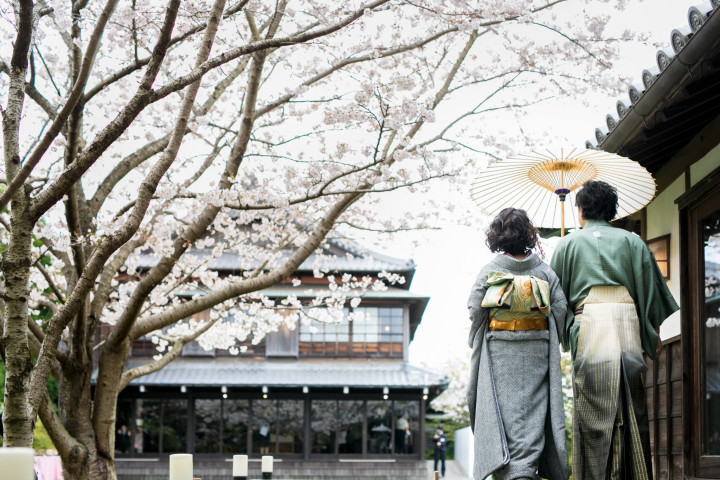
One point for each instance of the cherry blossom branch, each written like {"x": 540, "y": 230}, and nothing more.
{"x": 104, "y": 287}
{"x": 144, "y": 326}
{"x": 68, "y": 107}
{"x": 385, "y": 230}
{"x": 491, "y": 78}
{"x": 290, "y": 139}
{"x": 65, "y": 443}
{"x": 473, "y": 111}
{"x": 484, "y": 152}
{"x": 443, "y": 90}
{"x": 350, "y": 61}
{"x": 108, "y": 245}
{"x": 136, "y": 372}
{"x": 48, "y": 278}
{"x": 323, "y": 193}
{"x": 572, "y": 40}
{"x": 508, "y": 18}
{"x": 222, "y": 86}
{"x": 33, "y": 343}
{"x": 16, "y": 94}
{"x": 125, "y": 166}
{"x": 33, "y": 93}
{"x": 139, "y": 63}
{"x": 36, "y": 333}
{"x": 59, "y": 254}
{"x": 47, "y": 69}
{"x": 265, "y": 44}
{"x": 4, "y": 180}
{"x": 146, "y": 96}
{"x": 158, "y": 272}
{"x": 153, "y": 148}
{"x": 145, "y": 286}
{"x": 209, "y": 159}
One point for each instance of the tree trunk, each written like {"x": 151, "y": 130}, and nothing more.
{"x": 74, "y": 410}
{"x": 90, "y": 420}
{"x": 18, "y": 417}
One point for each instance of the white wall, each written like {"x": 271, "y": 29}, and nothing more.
{"x": 464, "y": 452}
{"x": 663, "y": 219}
{"x": 705, "y": 165}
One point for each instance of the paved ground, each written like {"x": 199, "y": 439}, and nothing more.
{"x": 452, "y": 470}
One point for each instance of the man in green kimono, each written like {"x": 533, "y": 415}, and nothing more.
{"x": 617, "y": 299}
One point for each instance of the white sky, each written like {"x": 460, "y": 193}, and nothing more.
{"x": 449, "y": 259}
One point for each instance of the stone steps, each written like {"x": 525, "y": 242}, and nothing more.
{"x": 284, "y": 470}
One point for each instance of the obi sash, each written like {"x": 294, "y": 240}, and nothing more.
{"x": 517, "y": 302}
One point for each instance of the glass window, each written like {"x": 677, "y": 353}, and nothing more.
{"x": 235, "y": 422}
{"x": 391, "y": 324}
{"x": 366, "y": 330}
{"x": 323, "y": 425}
{"x": 149, "y": 415}
{"x": 174, "y": 426}
{"x": 318, "y": 331}
{"x": 379, "y": 424}
{"x": 291, "y": 426}
{"x": 710, "y": 229}
{"x": 264, "y": 424}
{"x": 337, "y": 332}
{"x": 319, "y": 338}
{"x": 207, "y": 426}
{"x": 407, "y": 427}
{"x": 379, "y": 332}
{"x": 350, "y": 426}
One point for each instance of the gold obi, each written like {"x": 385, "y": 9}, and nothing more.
{"x": 517, "y": 302}
{"x": 527, "y": 323}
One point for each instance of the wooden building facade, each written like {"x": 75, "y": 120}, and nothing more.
{"x": 671, "y": 126}
{"x": 324, "y": 394}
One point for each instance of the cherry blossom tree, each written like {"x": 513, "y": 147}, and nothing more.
{"x": 453, "y": 401}
{"x": 164, "y": 128}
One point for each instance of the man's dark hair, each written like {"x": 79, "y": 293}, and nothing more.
{"x": 598, "y": 200}
{"x": 511, "y": 232}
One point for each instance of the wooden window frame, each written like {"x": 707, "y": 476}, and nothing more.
{"x": 663, "y": 243}
{"x": 696, "y": 205}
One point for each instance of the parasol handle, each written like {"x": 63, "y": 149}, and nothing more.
{"x": 562, "y": 193}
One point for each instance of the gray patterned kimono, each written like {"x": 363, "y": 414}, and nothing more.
{"x": 515, "y": 388}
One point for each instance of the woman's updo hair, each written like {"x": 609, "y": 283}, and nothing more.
{"x": 511, "y": 231}
{"x": 598, "y": 200}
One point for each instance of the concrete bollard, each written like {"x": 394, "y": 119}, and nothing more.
{"x": 267, "y": 466}
{"x": 240, "y": 467}
{"x": 181, "y": 466}
{"x": 17, "y": 463}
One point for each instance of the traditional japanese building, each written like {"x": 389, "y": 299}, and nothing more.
{"x": 335, "y": 399}
{"x": 671, "y": 125}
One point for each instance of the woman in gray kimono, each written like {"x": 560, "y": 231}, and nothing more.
{"x": 515, "y": 392}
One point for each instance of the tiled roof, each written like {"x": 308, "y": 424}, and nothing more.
{"x": 213, "y": 372}
{"x": 305, "y": 292}
{"x": 675, "y": 98}
{"x": 358, "y": 260}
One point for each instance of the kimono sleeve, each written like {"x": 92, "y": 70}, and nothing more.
{"x": 558, "y": 304}
{"x": 566, "y": 322}
{"x": 478, "y": 314}
{"x": 654, "y": 301}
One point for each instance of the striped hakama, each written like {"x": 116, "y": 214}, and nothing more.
{"x": 610, "y": 428}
